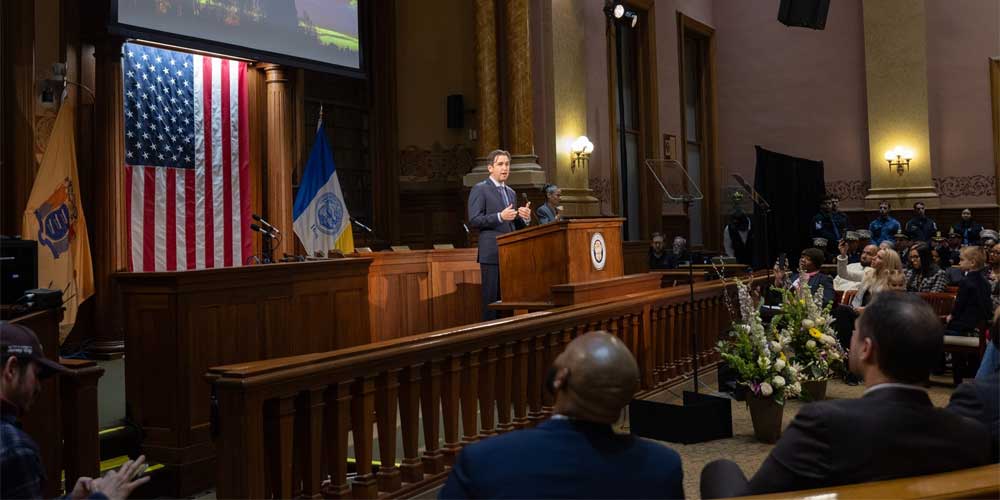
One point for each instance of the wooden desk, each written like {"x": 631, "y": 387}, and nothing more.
{"x": 422, "y": 291}
{"x": 179, "y": 324}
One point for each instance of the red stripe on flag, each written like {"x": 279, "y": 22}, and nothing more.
{"x": 149, "y": 219}
{"x": 128, "y": 215}
{"x": 227, "y": 175}
{"x": 171, "y": 220}
{"x": 206, "y": 78}
{"x": 189, "y": 209}
{"x": 244, "y": 129}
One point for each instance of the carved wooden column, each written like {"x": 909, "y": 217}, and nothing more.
{"x": 110, "y": 245}
{"x": 279, "y": 157}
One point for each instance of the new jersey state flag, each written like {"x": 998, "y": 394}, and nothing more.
{"x": 321, "y": 219}
{"x": 54, "y": 217}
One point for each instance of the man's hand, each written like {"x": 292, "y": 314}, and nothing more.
{"x": 842, "y": 246}
{"x": 508, "y": 213}
{"x": 82, "y": 489}
{"x": 525, "y": 211}
{"x": 779, "y": 275}
{"x": 119, "y": 484}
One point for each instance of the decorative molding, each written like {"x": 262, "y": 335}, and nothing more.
{"x": 973, "y": 185}
{"x": 947, "y": 187}
{"x": 438, "y": 164}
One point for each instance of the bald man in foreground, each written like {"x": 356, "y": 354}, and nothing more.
{"x": 575, "y": 454}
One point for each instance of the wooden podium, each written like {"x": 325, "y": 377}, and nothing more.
{"x": 534, "y": 259}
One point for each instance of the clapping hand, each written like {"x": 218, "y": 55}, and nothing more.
{"x": 509, "y": 213}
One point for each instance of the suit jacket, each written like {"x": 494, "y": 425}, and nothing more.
{"x": 562, "y": 458}
{"x": 978, "y": 399}
{"x": 889, "y": 433}
{"x": 817, "y": 279}
{"x": 545, "y": 214}
{"x": 485, "y": 205}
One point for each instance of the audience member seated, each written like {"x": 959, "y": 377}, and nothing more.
{"x": 977, "y": 399}
{"x": 821, "y": 244}
{"x": 658, "y": 256}
{"x": 845, "y": 281}
{"x": 576, "y": 453}
{"x": 24, "y": 367}
{"x": 902, "y": 246}
{"x": 551, "y": 210}
{"x": 892, "y": 431}
{"x": 874, "y": 280}
{"x": 887, "y": 245}
{"x": 924, "y": 275}
{"x": 920, "y": 227}
{"x": 810, "y": 262}
{"x": 967, "y": 230}
{"x": 884, "y": 227}
{"x": 993, "y": 274}
{"x": 679, "y": 253}
{"x": 896, "y": 281}
{"x": 853, "y": 248}
{"x": 974, "y": 304}
{"x": 865, "y": 238}
{"x": 988, "y": 238}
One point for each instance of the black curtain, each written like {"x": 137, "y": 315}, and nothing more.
{"x": 794, "y": 187}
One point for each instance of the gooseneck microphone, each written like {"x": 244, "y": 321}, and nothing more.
{"x": 264, "y": 224}
{"x": 362, "y": 226}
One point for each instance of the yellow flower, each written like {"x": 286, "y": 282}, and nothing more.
{"x": 802, "y": 301}
{"x": 782, "y": 354}
{"x": 815, "y": 333}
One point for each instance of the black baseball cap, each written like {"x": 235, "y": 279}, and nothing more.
{"x": 19, "y": 340}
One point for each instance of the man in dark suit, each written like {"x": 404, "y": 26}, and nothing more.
{"x": 809, "y": 272}
{"x": 892, "y": 431}
{"x": 576, "y": 453}
{"x": 491, "y": 210}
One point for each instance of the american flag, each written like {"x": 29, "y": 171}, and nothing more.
{"x": 187, "y": 191}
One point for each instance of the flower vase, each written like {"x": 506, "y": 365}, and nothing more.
{"x": 766, "y": 415}
{"x": 815, "y": 390}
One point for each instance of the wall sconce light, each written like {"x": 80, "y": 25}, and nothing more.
{"x": 581, "y": 150}
{"x": 620, "y": 13}
{"x": 899, "y": 158}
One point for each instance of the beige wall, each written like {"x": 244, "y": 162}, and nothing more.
{"x": 435, "y": 52}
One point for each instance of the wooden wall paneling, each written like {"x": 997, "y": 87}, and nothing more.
{"x": 456, "y": 288}
{"x": 636, "y": 256}
{"x": 380, "y": 25}
{"x": 398, "y": 294}
{"x": 257, "y": 121}
{"x": 432, "y": 216}
{"x": 19, "y": 111}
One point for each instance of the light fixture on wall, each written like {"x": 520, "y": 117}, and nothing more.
{"x": 581, "y": 150}
{"x": 619, "y": 12}
{"x": 899, "y": 158}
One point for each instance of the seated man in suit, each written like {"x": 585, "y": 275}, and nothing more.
{"x": 576, "y": 453}
{"x": 892, "y": 431}
{"x": 809, "y": 263}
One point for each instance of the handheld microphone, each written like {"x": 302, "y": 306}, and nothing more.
{"x": 265, "y": 224}
{"x": 524, "y": 198}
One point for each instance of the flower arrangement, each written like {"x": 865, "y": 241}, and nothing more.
{"x": 809, "y": 337}
{"x": 758, "y": 353}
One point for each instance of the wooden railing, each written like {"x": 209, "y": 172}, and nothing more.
{"x": 978, "y": 482}
{"x": 283, "y": 423}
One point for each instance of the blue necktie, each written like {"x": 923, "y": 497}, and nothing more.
{"x": 503, "y": 192}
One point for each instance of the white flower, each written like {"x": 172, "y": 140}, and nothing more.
{"x": 775, "y": 346}
{"x": 808, "y": 323}
{"x": 828, "y": 340}
{"x": 779, "y": 381}
{"x": 766, "y": 390}
{"x": 811, "y": 344}
{"x": 820, "y": 321}
{"x": 834, "y": 355}
{"x": 779, "y": 365}
{"x": 763, "y": 362}
{"x": 796, "y": 387}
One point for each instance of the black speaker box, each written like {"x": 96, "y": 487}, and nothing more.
{"x": 456, "y": 111}
{"x": 18, "y": 268}
{"x": 701, "y": 418}
{"x": 804, "y": 13}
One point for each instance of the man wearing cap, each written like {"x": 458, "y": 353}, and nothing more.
{"x": 967, "y": 229}
{"x": 821, "y": 244}
{"x": 988, "y": 238}
{"x": 884, "y": 227}
{"x": 903, "y": 243}
{"x": 920, "y": 227}
{"x": 864, "y": 238}
{"x": 853, "y": 249}
{"x": 21, "y": 472}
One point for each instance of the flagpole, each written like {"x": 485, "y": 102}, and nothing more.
{"x": 320, "y": 122}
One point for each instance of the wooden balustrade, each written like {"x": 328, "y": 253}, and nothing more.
{"x": 284, "y": 422}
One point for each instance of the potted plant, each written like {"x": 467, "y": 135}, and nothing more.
{"x": 757, "y": 354}
{"x": 812, "y": 343}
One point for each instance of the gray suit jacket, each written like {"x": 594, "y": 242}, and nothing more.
{"x": 485, "y": 203}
